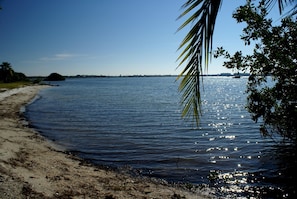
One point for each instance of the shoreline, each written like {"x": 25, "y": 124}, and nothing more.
{"x": 32, "y": 167}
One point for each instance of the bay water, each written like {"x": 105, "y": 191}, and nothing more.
{"x": 135, "y": 123}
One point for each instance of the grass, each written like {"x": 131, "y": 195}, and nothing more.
{"x": 14, "y": 84}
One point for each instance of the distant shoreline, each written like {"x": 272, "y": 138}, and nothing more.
{"x": 116, "y": 76}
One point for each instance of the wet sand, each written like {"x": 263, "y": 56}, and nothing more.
{"x": 32, "y": 167}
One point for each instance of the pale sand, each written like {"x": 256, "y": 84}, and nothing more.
{"x": 31, "y": 167}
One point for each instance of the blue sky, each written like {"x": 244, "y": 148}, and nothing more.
{"x": 103, "y": 37}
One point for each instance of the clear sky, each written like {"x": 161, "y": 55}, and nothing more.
{"x": 103, "y": 37}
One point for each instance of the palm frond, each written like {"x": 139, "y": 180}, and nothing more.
{"x": 281, "y": 5}
{"x": 293, "y": 11}
{"x": 196, "y": 46}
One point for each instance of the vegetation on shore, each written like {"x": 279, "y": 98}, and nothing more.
{"x": 13, "y": 85}
{"x": 55, "y": 77}
{"x": 8, "y": 75}
{"x": 10, "y": 79}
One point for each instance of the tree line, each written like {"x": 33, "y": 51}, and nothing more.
{"x": 7, "y": 74}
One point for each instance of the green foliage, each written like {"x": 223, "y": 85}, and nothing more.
{"x": 197, "y": 46}
{"x": 7, "y": 74}
{"x": 13, "y": 85}
{"x": 195, "y": 49}
{"x": 55, "y": 77}
{"x": 274, "y": 57}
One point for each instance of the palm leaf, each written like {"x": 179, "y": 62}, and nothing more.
{"x": 282, "y": 4}
{"x": 196, "y": 46}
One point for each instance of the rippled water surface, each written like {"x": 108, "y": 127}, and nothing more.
{"x": 136, "y": 123}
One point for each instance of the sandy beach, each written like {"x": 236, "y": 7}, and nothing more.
{"x": 32, "y": 167}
